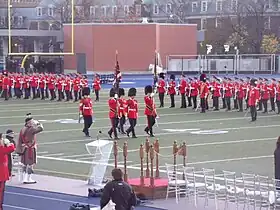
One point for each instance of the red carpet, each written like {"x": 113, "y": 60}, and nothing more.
{"x": 158, "y": 182}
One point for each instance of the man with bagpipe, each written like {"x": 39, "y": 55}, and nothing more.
{"x": 86, "y": 110}
{"x": 132, "y": 112}
{"x": 253, "y": 98}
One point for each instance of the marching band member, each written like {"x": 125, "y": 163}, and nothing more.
{"x": 172, "y": 90}
{"x": 150, "y": 110}
{"x": 76, "y": 88}
{"x": 253, "y": 99}
{"x": 203, "y": 92}
{"x": 216, "y": 93}
{"x": 161, "y": 89}
{"x": 96, "y": 86}
{"x": 67, "y": 88}
{"x": 272, "y": 94}
{"x": 265, "y": 95}
{"x": 27, "y": 147}
{"x": 240, "y": 95}
{"x": 51, "y": 87}
{"x": 6, "y": 84}
{"x": 122, "y": 110}
{"x": 278, "y": 97}
{"x": 86, "y": 110}
{"x": 5, "y": 149}
{"x": 113, "y": 113}
{"x": 42, "y": 86}
{"x": 228, "y": 94}
{"x": 259, "y": 87}
{"x": 182, "y": 89}
{"x": 194, "y": 89}
{"x": 235, "y": 91}
{"x": 10, "y": 135}
{"x": 132, "y": 112}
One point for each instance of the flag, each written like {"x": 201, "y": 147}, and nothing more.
{"x": 118, "y": 75}
{"x": 155, "y": 71}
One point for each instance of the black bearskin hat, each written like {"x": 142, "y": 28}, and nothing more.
{"x": 112, "y": 92}
{"x": 132, "y": 92}
{"x": 203, "y": 78}
{"x": 121, "y": 92}
{"x": 172, "y": 76}
{"x": 86, "y": 91}
{"x": 148, "y": 89}
{"x": 253, "y": 82}
{"x": 161, "y": 75}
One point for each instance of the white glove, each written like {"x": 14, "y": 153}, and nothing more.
{"x": 152, "y": 94}
{"x": 116, "y": 96}
{"x": 6, "y": 141}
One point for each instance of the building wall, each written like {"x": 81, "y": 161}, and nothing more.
{"x": 135, "y": 43}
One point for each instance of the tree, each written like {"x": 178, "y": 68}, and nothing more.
{"x": 270, "y": 44}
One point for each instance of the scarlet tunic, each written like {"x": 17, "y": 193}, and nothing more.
{"x": 183, "y": 86}
{"x": 228, "y": 90}
{"x": 278, "y": 93}
{"x": 171, "y": 88}
{"x": 203, "y": 90}
{"x": 6, "y": 83}
{"x": 150, "y": 106}
{"x": 265, "y": 92}
{"x": 272, "y": 90}
{"x": 241, "y": 93}
{"x": 194, "y": 89}
{"x": 96, "y": 84}
{"x": 132, "y": 108}
{"x": 122, "y": 107}
{"x": 51, "y": 84}
{"x": 216, "y": 90}
{"x": 161, "y": 86}
{"x": 254, "y": 96}
{"x": 86, "y": 107}
{"x": 113, "y": 105}
{"x": 4, "y": 175}
{"x": 76, "y": 84}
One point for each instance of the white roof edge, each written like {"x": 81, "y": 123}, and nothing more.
{"x": 89, "y": 24}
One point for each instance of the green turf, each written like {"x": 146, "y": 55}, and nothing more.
{"x": 247, "y": 147}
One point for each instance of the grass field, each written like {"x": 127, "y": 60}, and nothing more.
{"x": 234, "y": 144}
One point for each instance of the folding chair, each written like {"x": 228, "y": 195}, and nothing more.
{"x": 249, "y": 186}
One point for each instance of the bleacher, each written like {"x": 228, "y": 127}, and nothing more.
{"x": 107, "y": 78}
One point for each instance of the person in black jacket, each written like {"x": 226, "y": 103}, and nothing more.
{"x": 277, "y": 163}
{"x": 119, "y": 192}
{"x": 10, "y": 135}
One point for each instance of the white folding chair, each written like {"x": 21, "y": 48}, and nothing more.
{"x": 17, "y": 167}
{"x": 192, "y": 186}
{"x": 250, "y": 187}
{"x": 176, "y": 184}
{"x": 274, "y": 193}
{"x": 263, "y": 191}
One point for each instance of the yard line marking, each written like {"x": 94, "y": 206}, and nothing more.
{"x": 59, "y": 172}
{"x": 55, "y": 154}
{"x": 17, "y": 207}
{"x": 74, "y": 156}
{"x": 45, "y": 198}
{"x": 44, "y": 152}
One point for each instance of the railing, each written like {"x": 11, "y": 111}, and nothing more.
{"x": 226, "y": 64}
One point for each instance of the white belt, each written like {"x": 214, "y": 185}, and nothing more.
{"x": 86, "y": 107}
{"x": 131, "y": 109}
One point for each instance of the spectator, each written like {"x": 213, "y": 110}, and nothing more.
{"x": 277, "y": 162}
{"x": 10, "y": 135}
{"x": 119, "y": 192}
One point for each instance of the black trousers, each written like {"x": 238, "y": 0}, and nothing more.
{"x": 183, "y": 100}
{"x": 264, "y": 102}
{"x": 114, "y": 125}
{"x": 224, "y": 103}
{"x": 216, "y": 102}
{"x": 228, "y": 103}
{"x": 253, "y": 111}
{"x": 121, "y": 124}
{"x": 240, "y": 104}
{"x": 151, "y": 122}
{"x": 260, "y": 105}
{"x": 172, "y": 99}
{"x": 6, "y": 94}
{"x": 278, "y": 106}
{"x": 272, "y": 102}
{"x": 87, "y": 124}
{"x": 194, "y": 99}
{"x": 235, "y": 103}
{"x": 76, "y": 94}
{"x": 26, "y": 93}
{"x": 96, "y": 95}
{"x": 42, "y": 93}
{"x": 189, "y": 101}
{"x": 47, "y": 92}
{"x": 60, "y": 95}
{"x": 203, "y": 105}
{"x": 52, "y": 94}
{"x": 18, "y": 92}
{"x": 67, "y": 93}
{"x": 2, "y": 190}
{"x": 131, "y": 129}
{"x": 161, "y": 99}
{"x": 34, "y": 92}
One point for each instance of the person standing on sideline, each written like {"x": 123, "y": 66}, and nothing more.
{"x": 86, "y": 110}
{"x": 253, "y": 99}
{"x": 277, "y": 163}
{"x": 132, "y": 112}
{"x": 120, "y": 192}
{"x": 5, "y": 149}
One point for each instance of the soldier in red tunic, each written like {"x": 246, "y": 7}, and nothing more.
{"x": 150, "y": 110}
{"x": 161, "y": 89}
{"x": 172, "y": 90}
{"x": 265, "y": 94}
{"x": 5, "y": 149}
{"x": 203, "y": 92}
{"x": 113, "y": 113}
{"x": 96, "y": 86}
{"x": 132, "y": 112}
{"x": 86, "y": 110}
{"x": 278, "y": 97}
{"x": 182, "y": 89}
{"x": 272, "y": 94}
{"x": 6, "y": 86}
{"x": 253, "y": 99}
{"x": 122, "y": 110}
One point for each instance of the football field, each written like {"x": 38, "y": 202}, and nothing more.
{"x": 220, "y": 140}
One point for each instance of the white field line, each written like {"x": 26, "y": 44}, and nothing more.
{"x": 89, "y": 156}
{"x": 54, "y": 154}
{"x": 17, "y": 207}
{"x": 43, "y": 152}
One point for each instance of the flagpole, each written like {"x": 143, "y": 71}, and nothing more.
{"x": 155, "y": 72}
{"x": 117, "y": 71}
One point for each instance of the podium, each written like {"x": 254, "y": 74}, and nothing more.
{"x": 101, "y": 151}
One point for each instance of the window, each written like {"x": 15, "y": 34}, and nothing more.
{"x": 219, "y": 5}
{"x": 104, "y": 11}
{"x": 51, "y": 11}
{"x": 126, "y": 10}
{"x": 2, "y": 20}
{"x": 114, "y": 10}
{"x": 138, "y": 9}
{"x": 92, "y": 10}
{"x": 39, "y": 11}
{"x": 20, "y": 21}
{"x": 267, "y": 23}
{"x": 204, "y": 6}
{"x": 203, "y": 23}
{"x": 218, "y": 23}
{"x": 234, "y": 5}
{"x": 168, "y": 8}
{"x": 278, "y": 4}
{"x": 194, "y": 6}
{"x": 156, "y": 9}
